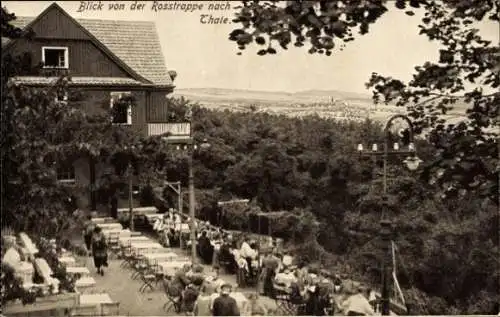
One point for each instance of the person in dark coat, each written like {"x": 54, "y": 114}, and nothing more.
{"x": 225, "y": 305}
{"x": 189, "y": 297}
{"x": 99, "y": 250}
{"x": 206, "y": 249}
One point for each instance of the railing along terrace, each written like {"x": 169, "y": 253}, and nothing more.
{"x": 174, "y": 130}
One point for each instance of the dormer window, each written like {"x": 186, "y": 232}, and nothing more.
{"x": 55, "y": 57}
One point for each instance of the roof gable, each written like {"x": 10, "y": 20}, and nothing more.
{"x": 134, "y": 45}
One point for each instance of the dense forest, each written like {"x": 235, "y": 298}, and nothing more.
{"x": 447, "y": 247}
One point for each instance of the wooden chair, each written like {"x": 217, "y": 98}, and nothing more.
{"x": 284, "y": 304}
{"x": 128, "y": 257}
{"x": 140, "y": 268}
{"x": 148, "y": 277}
{"x": 173, "y": 301}
{"x": 114, "y": 244}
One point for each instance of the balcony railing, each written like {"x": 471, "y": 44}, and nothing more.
{"x": 174, "y": 131}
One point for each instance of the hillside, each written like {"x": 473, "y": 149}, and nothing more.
{"x": 325, "y": 103}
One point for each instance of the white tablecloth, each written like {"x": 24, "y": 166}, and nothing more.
{"x": 152, "y": 217}
{"x": 85, "y": 282}
{"x": 101, "y": 220}
{"x": 68, "y": 261}
{"x": 110, "y": 226}
{"x": 126, "y": 241}
{"x": 78, "y": 270}
{"x": 89, "y": 299}
{"x": 182, "y": 227}
{"x": 169, "y": 268}
{"x": 143, "y": 248}
{"x": 153, "y": 258}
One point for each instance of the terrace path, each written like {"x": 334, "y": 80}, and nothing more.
{"x": 117, "y": 282}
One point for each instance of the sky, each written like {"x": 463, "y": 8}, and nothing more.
{"x": 203, "y": 56}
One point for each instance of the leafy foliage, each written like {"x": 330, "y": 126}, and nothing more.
{"x": 442, "y": 215}
{"x": 309, "y": 164}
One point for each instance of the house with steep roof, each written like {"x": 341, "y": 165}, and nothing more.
{"x": 106, "y": 60}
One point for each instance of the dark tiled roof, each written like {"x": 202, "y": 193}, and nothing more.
{"x": 136, "y": 43}
{"x": 86, "y": 81}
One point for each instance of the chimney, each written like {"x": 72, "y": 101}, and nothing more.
{"x": 172, "y": 74}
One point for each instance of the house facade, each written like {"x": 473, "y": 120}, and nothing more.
{"x": 106, "y": 60}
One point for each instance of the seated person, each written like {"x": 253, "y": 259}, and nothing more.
{"x": 180, "y": 279}
{"x": 357, "y": 304}
{"x": 158, "y": 225}
{"x": 197, "y": 277}
{"x": 226, "y": 258}
{"x": 287, "y": 260}
{"x": 337, "y": 283}
{"x": 189, "y": 297}
{"x": 205, "y": 248}
{"x": 248, "y": 253}
{"x": 297, "y": 292}
{"x": 315, "y": 304}
{"x": 173, "y": 238}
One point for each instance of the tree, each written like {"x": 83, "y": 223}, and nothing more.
{"x": 467, "y": 160}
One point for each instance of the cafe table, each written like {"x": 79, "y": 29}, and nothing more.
{"x": 82, "y": 270}
{"x": 85, "y": 283}
{"x": 111, "y": 225}
{"x": 101, "y": 220}
{"x": 126, "y": 241}
{"x": 140, "y": 248}
{"x": 100, "y": 298}
{"x": 153, "y": 258}
{"x": 170, "y": 267}
{"x": 97, "y": 300}
{"x": 68, "y": 261}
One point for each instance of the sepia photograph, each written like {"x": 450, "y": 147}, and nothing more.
{"x": 250, "y": 158}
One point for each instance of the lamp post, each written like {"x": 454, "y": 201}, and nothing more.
{"x": 130, "y": 197}
{"x": 192, "y": 220}
{"x": 412, "y": 162}
{"x": 130, "y": 189}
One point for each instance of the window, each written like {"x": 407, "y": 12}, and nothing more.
{"x": 121, "y": 107}
{"x": 66, "y": 173}
{"x": 55, "y": 57}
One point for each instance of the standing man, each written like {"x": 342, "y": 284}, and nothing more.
{"x": 225, "y": 305}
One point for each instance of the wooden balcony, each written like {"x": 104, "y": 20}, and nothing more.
{"x": 176, "y": 132}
